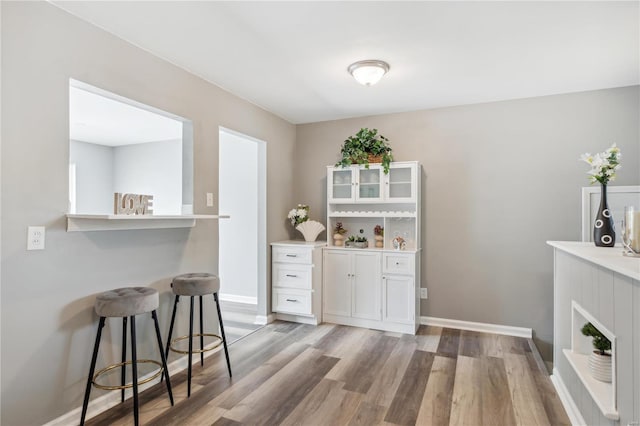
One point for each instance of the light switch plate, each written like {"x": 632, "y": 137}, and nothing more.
{"x": 35, "y": 237}
{"x": 423, "y": 293}
{"x": 209, "y": 199}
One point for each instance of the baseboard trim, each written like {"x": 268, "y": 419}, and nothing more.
{"x": 478, "y": 326}
{"x": 263, "y": 320}
{"x": 569, "y": 405}
{"x": 238, "y": 299}
{"x": 111, "y": 399}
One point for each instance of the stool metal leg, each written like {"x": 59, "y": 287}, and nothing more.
{"x": 134, "y": 368}
{"x": 190, "y": 348}
{"x": 124, "y": 357}
{"x": 224, "y": 339}
{"x": 92, "y": 370}
{"x": 164, "y": 359}
{"x": 173, "y": 319}
{"x": 201, "y": 336}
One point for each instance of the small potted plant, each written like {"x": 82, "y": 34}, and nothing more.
{"x": 358, "y": 242}
{"x": 366, "y": 146}
{"x": 600, "y": 359}
{"x": 378, "y": 231}
{"x": 338, "y": 234}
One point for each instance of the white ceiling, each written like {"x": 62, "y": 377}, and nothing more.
{"x": 291, "y": 57}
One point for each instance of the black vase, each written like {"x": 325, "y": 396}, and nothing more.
{"x": 604, "y": 234}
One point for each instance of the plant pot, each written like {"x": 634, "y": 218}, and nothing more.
{"x": 374, "y": 158}
{"x": 600, "y": 366}
{"x": 379, "y": 241}
{"x": 338, "y": 240}
{"x": 364, "y": 244}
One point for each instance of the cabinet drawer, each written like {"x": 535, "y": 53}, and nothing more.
{"x": 292, "y": 301}
{"x": 292, "y": 275}
{"x": 291, "y": 255}
{"x": 398, "y": 263}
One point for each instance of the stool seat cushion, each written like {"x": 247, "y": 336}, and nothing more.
{"x": 196, "y": 284}
{"x": 128, "y": 301}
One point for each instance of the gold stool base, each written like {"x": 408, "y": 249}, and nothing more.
{"x": 196, "y": 351}
{"x": 128, "y": 385}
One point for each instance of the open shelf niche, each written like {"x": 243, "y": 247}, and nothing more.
{"x": 604, "y": 394}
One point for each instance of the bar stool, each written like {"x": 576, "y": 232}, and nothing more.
{"x": 196, "y": 284}
{"x": 126, "y": 302}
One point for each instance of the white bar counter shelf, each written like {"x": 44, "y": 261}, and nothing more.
{"x": 113, "y": 222}
{"x": 601, "y": 286}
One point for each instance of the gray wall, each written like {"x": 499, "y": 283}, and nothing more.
{"x": 499, "y": 179}
{"x": 153, "y": 168}
{"x": 48, "y": 323}
{"x": 94, "y": 177}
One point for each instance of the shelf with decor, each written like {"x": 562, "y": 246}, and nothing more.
{"x": 110, "y": 222}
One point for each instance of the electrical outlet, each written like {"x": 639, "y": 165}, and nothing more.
{"x": 423, "y": 293}
{"x": 35, "y": 237}
{"x": 209, "y": 199}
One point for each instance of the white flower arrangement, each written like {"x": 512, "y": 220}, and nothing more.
{"x": 604, "y": 165}
{"x": 299, "y": 214}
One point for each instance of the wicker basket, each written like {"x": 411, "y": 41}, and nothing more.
{"x": 375, "y": 158}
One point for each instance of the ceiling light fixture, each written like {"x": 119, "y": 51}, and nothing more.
{"x": 368, "y": 72}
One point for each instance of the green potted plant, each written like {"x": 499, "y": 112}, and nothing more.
{"x": 366, "y": 146}
{"x": 378, "y": 231}
{"x": 358, "y": 242}
{"x": 338, "y": 234}
{"x": 600, "y": 359}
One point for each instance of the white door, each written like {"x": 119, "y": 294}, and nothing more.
{"x": 337, "y": 283}
{"x": 398, "y": 299}
{"x": 242, "y": 251}
{"x": 340, "y": 185}
{"x": 400, "y": 183}
{"x": 369, "y": 184}
{"x": 366, "y": 285}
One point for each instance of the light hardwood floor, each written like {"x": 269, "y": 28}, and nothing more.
{"x": 293, "y": 374}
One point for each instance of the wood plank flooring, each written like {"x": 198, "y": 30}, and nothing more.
{"x": 295, "y": 374}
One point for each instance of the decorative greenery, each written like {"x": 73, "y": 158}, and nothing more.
{"x": 339, "y": 229}
{"x": 604, "y": 165}
{"x": 378, "y": 230}
{"x": 356, "y": 149}
{"x": 600, "y": 342}
{"x": 299, "y": 214}
{"x": 354, "y": 239}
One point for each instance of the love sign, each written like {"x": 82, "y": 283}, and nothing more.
{"x": 132, "y": 204}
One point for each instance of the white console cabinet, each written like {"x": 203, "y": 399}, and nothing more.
{"x": 374, "y": 287}
{"x": 296, "y": 280}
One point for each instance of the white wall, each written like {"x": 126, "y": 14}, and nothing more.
{"x": 47, "y": 316}
{"x": 94, "y": 177}
{"x": 153, "y": 168}
{"x": 238, "y": 193}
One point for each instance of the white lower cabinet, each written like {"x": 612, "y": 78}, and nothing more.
{"x": 357, "y": 292}
{"x": 296, "y": 281}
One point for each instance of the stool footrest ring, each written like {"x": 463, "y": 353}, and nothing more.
{"x": 217, "y": 343}
{"x": 128, "y": 385}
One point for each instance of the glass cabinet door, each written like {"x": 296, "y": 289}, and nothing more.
{"x": 369, "y": 184}
{"x": 340, "y": 185}
{"x": 401, "y": 183}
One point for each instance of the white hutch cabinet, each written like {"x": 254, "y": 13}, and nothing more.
{"x": 374, "y": 287}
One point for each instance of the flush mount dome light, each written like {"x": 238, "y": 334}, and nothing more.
{"x": 368, "y": 72}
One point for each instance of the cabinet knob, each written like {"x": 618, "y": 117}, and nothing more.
{"x": 292, "y": 276}
{"x": 292, "y": 255}
{"x": 292, "y": 300}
